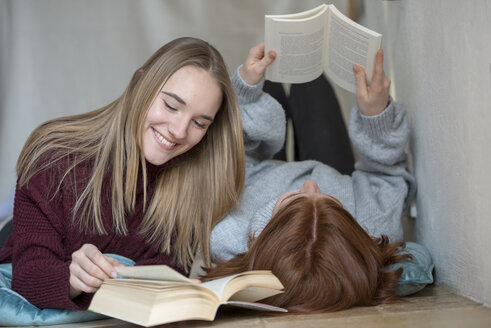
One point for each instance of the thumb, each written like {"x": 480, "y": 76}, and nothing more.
{"x": 267, "y": 59}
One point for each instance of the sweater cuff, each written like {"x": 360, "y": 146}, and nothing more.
{"x": 246, "y": 93}
{"x": 59, "y": 296}
{"x": 381, "y": 123}
{"x": 51, "y": 289}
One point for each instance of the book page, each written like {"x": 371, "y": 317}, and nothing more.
{"x": 298, "y": 40}
{"x": 249, "y": 286}
{"x": 152, "y": 272}
{"x": 349, "y": 43}
{"x": 256, "y": 306}
{"x": 218, "y": 285}
{"x": 254, "y": 294}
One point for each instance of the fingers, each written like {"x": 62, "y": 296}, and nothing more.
{"x": 89, "y": 268}
{"x": 113, "y": 262}
{"x": 255, "y": 55}
{"x": 83, "y": 282}
{"x": 265, "y": 61}
{"x": 258, "y": 50}
{"x": 378, "y": 71}
{"x": 361, "y": 81}
{"x": 268, "y": 58}
{"x": 255, "y": 64}
{"x": 96, "y": 263}
{"x": 379, "y": 78}
{"x": 372, "y": 99}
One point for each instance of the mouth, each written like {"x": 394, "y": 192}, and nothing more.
{"x": 162, "y": 140}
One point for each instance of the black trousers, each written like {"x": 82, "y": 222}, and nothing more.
{"x": 319, "y": 129}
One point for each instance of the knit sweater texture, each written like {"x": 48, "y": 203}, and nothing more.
{"x": 376, "y": 193}
{"x": 44, "y": 235}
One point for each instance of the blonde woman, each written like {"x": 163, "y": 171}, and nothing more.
{"x": 145, "y": 177}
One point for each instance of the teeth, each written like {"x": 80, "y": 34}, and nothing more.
{"x": 163, "y": 140}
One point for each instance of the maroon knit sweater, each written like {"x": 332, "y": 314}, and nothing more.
{"x": 44, "y": 237}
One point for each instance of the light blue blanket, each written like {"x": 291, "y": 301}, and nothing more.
{"x": 15, "y": 310}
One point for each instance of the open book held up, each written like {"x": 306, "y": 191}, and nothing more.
{"x": 316, "y": 41}
{"x": 157, "y": 294}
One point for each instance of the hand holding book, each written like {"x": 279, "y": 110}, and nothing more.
{"x": 316, "y": 41}
{"x": 89, "y": 268}
{"x": 252, "y": 71}
{"x": 157, "y": 294}
{"x": 372, "y": 99}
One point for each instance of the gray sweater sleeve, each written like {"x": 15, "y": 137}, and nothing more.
{"x": 382, "y": 185}
{"x": 263, "y": 120}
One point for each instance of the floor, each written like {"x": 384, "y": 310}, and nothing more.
{"x": 434, "y": 306}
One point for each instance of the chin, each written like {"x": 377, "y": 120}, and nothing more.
{"x": 156, "y": 161}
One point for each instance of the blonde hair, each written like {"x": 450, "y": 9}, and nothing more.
{"x": 190, "y": 196}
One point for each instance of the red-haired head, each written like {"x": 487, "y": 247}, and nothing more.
{"x": 324, "y": 258}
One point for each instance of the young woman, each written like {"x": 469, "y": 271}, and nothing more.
{"x": 298, "y": 218}
{"x": 145, "y": 177}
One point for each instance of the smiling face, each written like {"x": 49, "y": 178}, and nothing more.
{"x": 181, "y": 114}
{"x": 309, "y": 189}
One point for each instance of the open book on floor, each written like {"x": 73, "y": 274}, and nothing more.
{"x": 157, "y": 294}
{"x": 316, "y": 41}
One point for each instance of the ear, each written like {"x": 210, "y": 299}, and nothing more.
{"x": 136, "y": 77}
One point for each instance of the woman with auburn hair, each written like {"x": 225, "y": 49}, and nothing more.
{"x": 305, "y": 221}
{"x": 145, "y": 177}
{"x": 322, "y": 256}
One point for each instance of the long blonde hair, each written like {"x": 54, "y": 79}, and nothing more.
{"x": 190, "y": 197}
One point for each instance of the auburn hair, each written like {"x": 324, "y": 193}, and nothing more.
{"x": 323, "y": 257}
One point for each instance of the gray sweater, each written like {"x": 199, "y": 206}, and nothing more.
{"x": 375, "y": 194}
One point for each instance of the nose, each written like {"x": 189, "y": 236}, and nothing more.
{"x": 178, "y": 128}
{"x": 310, "y": 186}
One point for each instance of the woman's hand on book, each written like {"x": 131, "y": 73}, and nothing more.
{"x": 372, "y": 99}
{"x": 252, "y": 71}
{"x": 88, "y": 269}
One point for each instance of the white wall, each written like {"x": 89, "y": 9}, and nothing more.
{"x": 61, "y": 57}
{"x": 439, "y": 56}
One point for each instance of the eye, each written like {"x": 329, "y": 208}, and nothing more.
{"x": 199, "y": 125}
{"x": 169, "y": 106}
